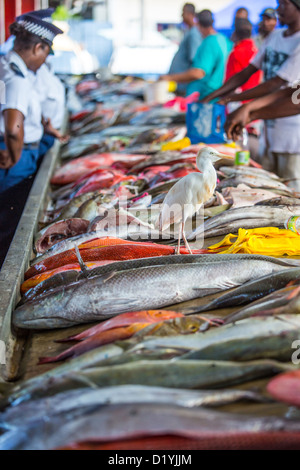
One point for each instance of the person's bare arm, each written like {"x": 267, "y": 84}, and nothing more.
{"x": 282, "y": 108}
{"x": 14, "y": 138}
{"x": 49, "y": 129}
{"x": 275, "y": 105}
{"x": 232, "y": 84}
{"x": 185, "y": 77}
{"x": 259, "y": 91}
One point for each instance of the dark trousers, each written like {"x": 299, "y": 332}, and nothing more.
{"x": 15, "y": 186}
{"x": 12, "y": 203}
{"x": 46, "y": 144}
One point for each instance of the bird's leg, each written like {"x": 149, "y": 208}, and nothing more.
{"x": 179, "y": 240}
{"x": 185, "y": 240}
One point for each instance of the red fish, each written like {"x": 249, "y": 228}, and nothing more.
{"x": 113, "y": 253}
{"x": 286, "y": 388}
{"x": 35, "y": 280}
{"x": 150, "y": 172}
{"x": 102, "y": 181}
{"x": 109, "y": 241}
{"x": 79, "y": 116}
{"x": 100, "y": 339}
{"x": 274, "y": 440}
{"x": 95, "y": 171}
{"x": 96, "y": 182}
{"x": 79, "y": 167}
{"x": 86, "y": 86}
{"x": 125, "y": 319}
{"x": 181, "y": 172}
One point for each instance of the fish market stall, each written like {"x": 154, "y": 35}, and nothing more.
{"x": 122, "y": 338}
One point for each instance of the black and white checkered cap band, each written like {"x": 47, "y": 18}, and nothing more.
{"x": 41, "y": 31}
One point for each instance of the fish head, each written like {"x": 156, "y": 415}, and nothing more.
{"x": 188, "y": 324}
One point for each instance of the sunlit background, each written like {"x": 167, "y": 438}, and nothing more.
{"x": 137, "y": 37}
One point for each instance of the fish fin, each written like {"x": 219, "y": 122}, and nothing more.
{"x": 84, "y": 268}
{"x": 108, "y": 276}
{"x": 105, "y": 277}
{"x": 220, "y": 286}
{"x": 213, "y": 289}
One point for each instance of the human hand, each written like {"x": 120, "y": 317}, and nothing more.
{"x": 49, "y": 129}
{"x": 236, "y": 121}
{"x": 5, "y": 161}
{"x": 64, "y": 139}
{"x": 165, "y": 78}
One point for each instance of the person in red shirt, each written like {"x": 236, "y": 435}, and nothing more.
{"x": 243, "y": 51}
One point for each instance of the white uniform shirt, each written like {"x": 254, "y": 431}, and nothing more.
{"x": 52, "y": 95}
{"x": 20, "y": 95}
{"x": 280, "y": 56}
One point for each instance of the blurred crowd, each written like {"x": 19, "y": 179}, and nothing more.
{"x": 255, "y": 75}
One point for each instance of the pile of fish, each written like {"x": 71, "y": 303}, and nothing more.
{"x": 169, "y": 338}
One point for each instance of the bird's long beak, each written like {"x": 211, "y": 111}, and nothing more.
{"x": 222, "y": 156}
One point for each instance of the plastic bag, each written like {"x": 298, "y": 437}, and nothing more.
{"x": 269, "y": 241}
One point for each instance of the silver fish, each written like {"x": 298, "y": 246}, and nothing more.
{"x": 187, "y": 374}
{"x": 122, "y": 422}
{"x": 69, "y": 277}
{"x": 70, "y": 209}
{"x": 119, "y": 292}
{"x": 249, "y": 292}
{"x": 245, "y": 217}
{"x": 255, "y": 181}
{"x": 51, "y": 406}
{"x": 279, "y": 298}
{"x": 246, "y": 340}
{"x": 243, "y": 170}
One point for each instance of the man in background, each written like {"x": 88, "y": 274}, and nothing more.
{"x": 240, "y": 14}
{"x": 244, "y": 50}
{"x": 279, "y": 58}
{"x": 267, "y": 25}
{"x": 183, "y": 59}
{"x": 208, "y": 69}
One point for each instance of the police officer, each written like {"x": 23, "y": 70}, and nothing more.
{"x": 50, "y": 90}
{"x": 21, "y": 126}
{"x": 53, "y": 100}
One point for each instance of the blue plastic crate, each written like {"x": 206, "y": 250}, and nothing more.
{"x": 205, "y": 123}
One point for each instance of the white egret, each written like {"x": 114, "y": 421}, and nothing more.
{"x": 187, "y": 196}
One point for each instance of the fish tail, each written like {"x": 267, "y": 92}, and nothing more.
{"x": 61, "y": 357}
{"x": 66, "y": 340}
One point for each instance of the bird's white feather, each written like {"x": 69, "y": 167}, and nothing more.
{"x": 188, "y": 194}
